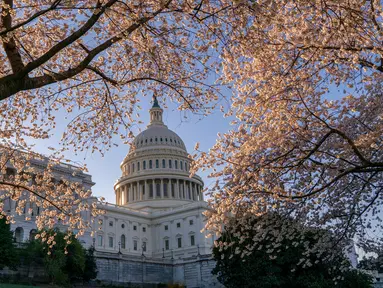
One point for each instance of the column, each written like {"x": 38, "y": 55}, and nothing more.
{"x": 162, "y": 188}
{"x": 190, "y": 191}
{"x": 184, "y": 190}
{"x": 137, "y": 196}
{"x": 154, "y": 188}
{"x": 138, "y": 191}
{"x": 146, "y": 190}
{"x": 126, "y": 194}
{"x": 170, "y": 188}
{"x": 177, "y": 192}
{"x": 130, "y": 192}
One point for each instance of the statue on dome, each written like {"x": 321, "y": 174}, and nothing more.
{"x": 155, "y": 102}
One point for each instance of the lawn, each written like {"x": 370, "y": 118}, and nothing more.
{"x": 2, "y": 285}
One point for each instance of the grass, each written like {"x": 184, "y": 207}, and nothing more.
{"x": 2, "y": 285}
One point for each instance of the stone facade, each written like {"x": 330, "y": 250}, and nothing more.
{"x": 192, "y": 272}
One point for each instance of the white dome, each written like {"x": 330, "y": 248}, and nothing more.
{"x": 157, "y": 136}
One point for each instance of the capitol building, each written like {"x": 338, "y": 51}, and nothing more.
{"x": 153, "y": 232}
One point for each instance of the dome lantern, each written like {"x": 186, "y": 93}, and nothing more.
{"x": 155, "y": 113}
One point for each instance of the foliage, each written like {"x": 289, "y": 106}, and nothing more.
{"x": 357, "y": 279}
{"x": 265, "y": 268}
{"x": 306, "y": 135}
{"x": 64, "y": 261}
{"x": 90, "y": 270}
{"x": 7, "y": 250}
{"x": 372, "y": 263}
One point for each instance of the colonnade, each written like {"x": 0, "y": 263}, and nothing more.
{"x": 159, "y": 188}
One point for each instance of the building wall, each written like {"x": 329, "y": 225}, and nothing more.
{"x": 193, "y": 272}
{"x": 153, "y": 228}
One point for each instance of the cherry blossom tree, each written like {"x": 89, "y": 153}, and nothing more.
{"x": 90, "y": 58}
{"x": 307, "y": 136}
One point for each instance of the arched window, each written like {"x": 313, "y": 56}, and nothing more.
{"x": 150, "y": 164}
{"x": 32, "y": 234}
{"x": 163, "y": 163}
{"x": 123, "y": 241}
{"x": 181, "y": 166}
{"x": 170, "y": 163}
{"x": 144, "y": 165}
{"x": 157, "y": 163}
{"x": 128, "y": 169}
{"x": 19, "y": 234}
{"x": 176, "y": 164}
{"x": 133, "y": 168}
{"x": 138, "y": 166}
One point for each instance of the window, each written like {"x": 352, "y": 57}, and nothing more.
{"x": 143, "y": 246}
{"x": 133, "y": 168}
{"x": 110, "y": 242}
{"x": 158, "y": 190}
{"x": 179, "y": 242}
{"x": 123, "y": 241}
{"x": 122, "y": 226}
{"x": 135, "y": 245}
{"x": 19, "y": 234}
{"x": 170, "y": 163}
{"x": 166, "y": 244}
{"x": 191, "y": 222}
{"x": 150, "y": 164}
{"x": 128, "y": 169}
{"x": 134, "y": 227}
{"x": 157, "y": 163}
{"x": 111, "y": 223}
{"x": 138, "y": 166}
{"x": 192, "y": 240}
{"x": 176, "y": 164}
{"x": 163, "y": 163}
{"x": 178, "y": 225}
{"x": 181, "y": 166}
{"x": 143, "y": 229}
{"x": 166, "y": 227}
{"x": 99, "y": 240}
{"x": 144, "y": 165}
